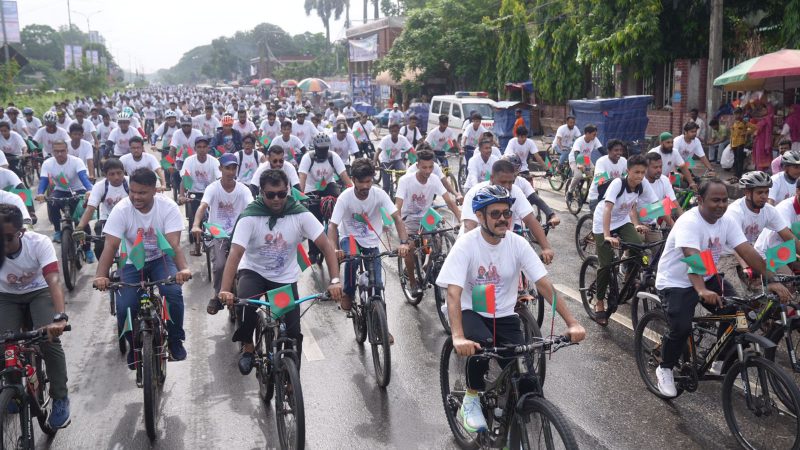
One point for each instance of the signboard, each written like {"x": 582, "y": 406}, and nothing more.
{"x": 67, "y": 56}
{"x": 77, "y": 55}
{"x": 364, "y": 49}
{"x": 11, "y": 19}
{"x": 93, "y": 56}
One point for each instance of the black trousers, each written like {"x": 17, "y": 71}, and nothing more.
{"x": 479, "y": 329}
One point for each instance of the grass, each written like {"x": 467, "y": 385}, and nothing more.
{"x": 41, "y": 102}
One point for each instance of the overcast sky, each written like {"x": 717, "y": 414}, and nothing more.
{"x": 154, "y": 34}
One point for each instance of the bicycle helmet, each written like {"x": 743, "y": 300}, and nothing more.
{"x": 128, "y": 110}
{"x": 326, "y": 205}
{"x": 27, "y": 111}
{"x": 227, "y": 121}
{"x": 321, "y": 140}
{"x": 12, "y": 110}
{"x": 489, "y": 195}
{"x": 186, "y": 120}
{"x": 790, "y": 158}
{"x": 124, "y": 116}
{"x": 170, "y": 113}
{"x": 50, "y": 117}
{"x": 755, "y": 179}
{"x": 514, "y": 160}
{"x": 301, "y": 112}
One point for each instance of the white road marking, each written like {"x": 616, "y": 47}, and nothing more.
{"x": 311, "y": 349}
{"x": 575, "y": 296}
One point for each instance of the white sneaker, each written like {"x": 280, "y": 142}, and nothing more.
{"x": 666, "y": 384}
{"x": 716, "y": 367}
{"x": 471, "y": 415}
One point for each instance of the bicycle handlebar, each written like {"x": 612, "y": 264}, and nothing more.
{"x": 253, "y": 301}
{"x": 31, "y": 336}
{"x": 552, "y": 343}
{"x": 142, "y": 284}
{"x": 436, "y": 231}
{"x": 360, "y": 256}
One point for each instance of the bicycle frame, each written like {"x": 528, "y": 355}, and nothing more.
{"x": 280, "y": 344}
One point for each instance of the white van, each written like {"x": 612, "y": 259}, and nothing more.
{"x": 458, "y": 107}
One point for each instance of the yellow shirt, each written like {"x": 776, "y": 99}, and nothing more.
{"x": 739, "y": 132}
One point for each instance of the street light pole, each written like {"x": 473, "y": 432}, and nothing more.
{"x": 5, "y": 39}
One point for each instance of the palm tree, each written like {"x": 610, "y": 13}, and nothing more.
{"x": 326, "y": 9}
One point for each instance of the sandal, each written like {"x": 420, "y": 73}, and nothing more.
{"x": 601, "y": 317}
{"x": 214, "y": 306}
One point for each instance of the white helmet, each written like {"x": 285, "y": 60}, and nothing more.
{"x": 124, "y": 115}
{"x": 170, "y": 113}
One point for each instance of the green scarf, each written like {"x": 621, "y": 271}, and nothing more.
{"x": 258, "y": 208}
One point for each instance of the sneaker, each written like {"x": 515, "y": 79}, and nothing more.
{"x": 716, "y": 367}
{"x": 90, "y": 259}
{"x": 57, "y": 237}
{"x": 177, "y": 351}
{"x": 131, "y": 359}
{"x": 666, "y": 384}
{"x": 569, "y": 197}
{"x": 471, "y": 415}
{"x": 12, "y": 408}
{"x": 246, "y": 363}
{"x": 59, "y": 415}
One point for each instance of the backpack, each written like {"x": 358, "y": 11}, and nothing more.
{"x": 105, "y": 192}
{"x": 240, "y": 154}
{"x": 602, "y": 188}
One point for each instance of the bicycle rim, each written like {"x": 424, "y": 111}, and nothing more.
{"x": 542, "y": 425}
{"x": 266, "y": 382}
{"x": 15, "y": 429}
{"x": 588, "y": 285}
{"x": 42, "y": 400}
{"x": 556, "y": 180}
{"x": 289, "y": 410}
{"x": 359, "y": 321}
{"x": 68, "y": 259}
{"x": 765, "y": 421}
{"x": 405, "y": 283}
{"x": 531, "y": 331}
{"x": 149, "y": 384}
{"x": 584, "y": 238}
{"x": 453, "y": 384}
{"x": 379, "y": 340}
{"x": 647, "y": 346}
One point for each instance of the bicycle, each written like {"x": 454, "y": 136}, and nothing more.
{"x": 624, "y": 286}
{"x": 768, "y": 395}
{"x": 24, "y": 390}
{"x": 527, "y": 290}
{"x": 369, "y": 315}
{"x": 207, "y": 240}
{"x": 444, "y": 163}
{"x": 395, "y": 178}
{"x": 580, "y": 194}
{"x": 584, "y": 237}
{"x": 513, "y": 403}
{"x": 430, "y": 250}
{"x": 71, "y": 258}
{"x": 29, "y": 169}
{"x": 149, "y": 337}
{"x": 277, "y": 371}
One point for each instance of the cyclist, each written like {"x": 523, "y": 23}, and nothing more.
{"x": 206, "y": 123}
{"x": 661, "y": 187}
{"x": 529, "y": 193}
{"x": 523, "y": 147}
{"x": 30, "y": 284}
{"x": 491, "y": 255}
{"x": 343, "y": 143}
{"x": 119, "y": 138}
{"x": 784, "y": 146}
{"x": 671, "y": 160}
{"x": 349, "y": 113}
{"x": 202, "y": 170}
{"x": 62, "y": 120}
{"x": 13, "y": 146}
{"x": 17, "y": 124}
{"x": 615, "y": 222}
{"x": 699, "y": 229}
{"x": 296, "y": 148}
{"x": 419, "y": 189}
{"x": 396, "y": 117}
{"x": 363, "y": 200}
{"x": 89, "y": 130}
{"x": 149, "y": 114}
{"x": 73, "y": 170}
{"x": 104, "y": 130}
{"x": 139, "y": 158}
{"x": 411, "y": 132}
{"x": 580, "y": 158}
{"x": 305, "y": 131}
{"x": 613, "y": 165}
{"x": 789, "y": 210}
{"x": 390, "y": 153}
{"x": 480, "y": 168}
{"x": 32, "y": 124}
{"x": 442, "y": 137}
{"x": 688, "y": 146}
{"x": 361, "y": 131}
{"x": 81, "y": 148}
{"x": 270, "y": 128}
{"x": 565, "y": 137}
{"x": 783, "y": 183}
{"x": 224, "y": 200}
{"x": 165, "y": 131}
{"x": 104, "y": 195}
{"x": 49, "y": 133}
{"x": 437, "y": 171}
{"x": 243, "y": 125}
{"x": 248, "y": 159}
{"x": 471, "y": 135}
{"x": 227, "y": 137}
{"x": 276, "y": 160}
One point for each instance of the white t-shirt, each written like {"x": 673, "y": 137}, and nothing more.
{"x": 202, "y": 173}
{"x": 33, "y": 126}
{"x": 293, "y": 145}
{"x": 521, "y": 150}
{"x": 438, "y": 139}
{"x": 417, "y": 197}
{"x": 781, "y": 188}
{"x": 620, "y": 214}
{"x": 207, "y": 126}
{"x": 103, "y": 131}
{"x": 363, "y": 130}
{"x": 344, "y": 148}
{"x": 768, "y": 238}
{"x": 88, "y": 129}
{"x": 121, "y": 140}
{"x": 670, "y": 162}
{"x": 471, "y": 137}
{"x": 20, "y": 126}
{"x": 410, "y": 133}
{"x": 14, "y": 199}
{"x": 147, "y": 160}
{"x": 272, "y": 131}
{"x": 125, "y": 222}
{"x": 392, "y": 151}
{"x": 520, "y": 209}
{"x": 288, "y": 169}
{"x": 753, "y": 223}
{"x": 437, "y": 169}
{"x": 347, "y": 206}
{"x": 8, "y": 178}
{"x": 180, "y": 141}
{"x": 14, "y": 145}
{"x": 149, "y": 113}
{"x": 305, "y": 132}
{"x": 247, "y": 128}
{"x": 604, "y": 165}
{"x": 23, "y": 274}
{"x": 396, "y": 117}
{"x": 224, "y": 207}
{"x": 662, "y": 188}
{"x": 316, "y": 171}
{"x": 85, "y": 151}
{"x": 583, "y": 148}
{"x": 114, "y": 195}
{"x": 165, "y": 133}
{"x": 567, "y": 136}
{"x": 474, "y": 262}
{"x": 46, "y": 139}
{"x": 524, "y": 185}
{"x": 687, "y": 150}
{"x": 248, "y": 164}
{"x": 479, "y": 170}
{"x": 71, "y": 168}
{"x": 692, "y": 231}
{"x": 272, "y": 252}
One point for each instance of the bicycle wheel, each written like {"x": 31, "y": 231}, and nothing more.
{"x": 556, "y": 178}
{"x": 207, "y": 251}
{"x": 574, "y": 205}
{"x": 453, "y": 383}
{"x": 41, "y": 398}
{"x": 647, "y": 344}
{"x": 764, "y": 420}
{"x": 15, "y": 416}
{"x": 462, "y": 173}
{"x": 266, "y": 383}
{"x": 641, "y": 306}
{"x": 358, "y": 315}
{"x": 289, "y": 409}
{"x": 454, "y": 182}
{"x": 379, "y": 340}
{"x": 68, "y": 266}
{"x": 780, "y": 353}
{"x": 440, "y": 294}
{"x": 405, "y": 283}
{"x": 531, "y": 331}
{"x": 541, "y": 425}
{"x": 584, "y": 238}
{"x": 150, "y": 385}
{"x": 588, "y": 284}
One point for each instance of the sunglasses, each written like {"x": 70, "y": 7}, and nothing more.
{"x": 271, "y": 195}
{"x": 506, "y": 213}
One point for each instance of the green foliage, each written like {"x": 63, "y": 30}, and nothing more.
{"x": 41, "y": 102}
{"x": 514, "y": 46}
{"x": 43, "y": 43}
{"x": 791, "y": 24}
{"x": 87, "y": 79}
{"x": 556, "y": 74}
{"x": 326, "y": 10}
{"x": 8, "y": 72}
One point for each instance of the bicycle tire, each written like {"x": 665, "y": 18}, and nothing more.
{"x": 531, "y": 331}
{"x": 266, "y": 382}
{"x": 150, "y": 385}
{"x": 647, "y": 344}
{"x": 207, "y": 251}
{"x": 291, "y": 394}
{"x": 23, "y": 437}
{"x": 462, "y": 173}
{"x": 42, "y": 397}
{"x": 68, "y": 259}
{"x": 405, "y": 284}
{"x": 556, "y": 178}
{"x": 777, "y": 335}
{"x": 769, "y": 374}
{"x": 640, "y": 307}
{"x": 454, "y": 183}
{"x": 440, "y": 294}
{"x": 587, "y": 284}
{"x": 121, "y": 343}
{"x": 584, "y": 238}
{"x": 379, "y": 341}
{"x": 359, "y": 319}
{"x": 453, "y": 394}
{"x": 550, "y": 419}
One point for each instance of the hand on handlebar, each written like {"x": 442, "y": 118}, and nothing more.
{"x": 547, "y": 255}
{"x": 402, "y": 250}
{"x": 613, "y": 241}
{"x": 781, "y": 291}
{"x": 197, "y": 232}
{"x": 101, "y": 283}
{"x": 183, "y": 276}
{"x": 576, "y": 333}
{"x": 226, "y": 297}
{"x": 79, "y": 235}
{"x": 55, "y": 329}
{"x": 465, "y": 347}
{"x": 710, "y": 297}
{"x": 40, "y": 198}
{"x": 340, "y": 255}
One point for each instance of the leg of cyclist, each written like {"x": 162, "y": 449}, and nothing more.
{"x": 251, "y": 285}
{"x": 605, "y": 256}
{"x": 219, "y": 255}
{"x": 348, "y": 277}
{"x": 159, "y": 269}
{"x": 563, "y": 155}
{"x": 410, "y": 260}
{"x": 128, "y": 303}
{"x": 54, "y": 214}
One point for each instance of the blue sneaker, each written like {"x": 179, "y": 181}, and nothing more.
{"x": 59, "y": 416}
{"x": 57, "y": 237}
{"x": 90, "y": 259}
{"x": 176, "y": 350}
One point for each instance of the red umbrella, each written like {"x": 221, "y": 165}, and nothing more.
{"x": 254, "y": 82}
{"x": 773, "y": 71}
{"x": 268, "y": 82}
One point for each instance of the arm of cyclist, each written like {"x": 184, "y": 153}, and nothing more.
{"x": 402, "y": 233}
{"x": 52, "y": 278}
{"x": 463, "y": 346}
{"x": 231, "y": 266}
{"x": 575, "y": 330}
{"x": 333, "y": 237}
{"x": 302, "y": 176}
{"x": 552, "y": 217}
{"x": 635, "y": 221}
{"x": 88, "y": 213}
{"x": 198, "y": 219}
{"x": 105, "y": 261}
{"x": 451, "y": 204}
{"x": 754, "y": 260}
{"x": 162, "y": 180}
{"x": 324, "y": 245}
{"x": 43, "y": 183}
{"x": 184, "y": 274}
{"x": 346, "y": 178}
{"x": 613, "y": 241}
{"x": 84, "y": 177}
{"x": 688, "y": 175}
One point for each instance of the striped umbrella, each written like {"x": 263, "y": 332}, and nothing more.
{"x": 268, "y": 82}
{"x": 313, "y": 85}
{"x": 289, "y": 84}
{"x": 773, "y": 71}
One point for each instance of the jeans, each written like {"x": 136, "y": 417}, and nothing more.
{"x": 479, "y": 329}
{"x": 219, "y": 249}
{"x": 351, "y": 267}
{"x": 157, "y": 269}
{"x": 54, "y": 212}
{"x": 738, "y": 160}
{"x": 14, "y": 309}
{"x": 98, "y": 231}
{"x": 191, "y": 210}
{"x": 468, "y": 152}
{"x": 397, "y": 164}
{"x": 563, "y": 156}
{"x": 605, "y": 254}
{"x": 715, "y": 151}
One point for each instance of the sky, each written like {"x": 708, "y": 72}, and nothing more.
{"x": 154, "y": 34}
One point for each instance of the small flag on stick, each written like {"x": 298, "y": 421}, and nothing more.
{"x": 297, "y": 195}
{"x": 24, "y": 194}
{"x": 216, "y": 231}
{"x": 701, "y": 263}
{"x": 430, "y": 220}
{"x": 163, "y": 244}
{"x": 780, "y": 255}
{"x": 652, "y": 211}
{"x": 387, "y": 219}
{"x": 483, "y": 299}
{"x": 353, "y": 246}
{"x": 281, "y": 300}
{"x": 128, "y": 325}
{"x": 137, "y": 254}
{"x": 302, "y": 258}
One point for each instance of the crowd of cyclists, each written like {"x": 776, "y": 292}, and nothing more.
{"x": 272, "y": 178}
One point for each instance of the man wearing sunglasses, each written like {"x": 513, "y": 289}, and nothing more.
{"x": 491, "y": 256}
{"x": 264, "y": 251}
{"x": 224, "y": 199}
{"x": 30, "y": 282}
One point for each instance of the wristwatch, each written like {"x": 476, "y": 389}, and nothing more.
{"x": 403, "y": 241}
{"x": 335, "y": 281}
{"x": 61, "y": 316}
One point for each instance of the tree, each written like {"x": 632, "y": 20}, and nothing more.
{"x": 791, "y": 25}
{"x": 43, "y": 43}
{"x": 513, "y": 49}
{"x": 555, "y": 71}
{"x": 326, "y": 9}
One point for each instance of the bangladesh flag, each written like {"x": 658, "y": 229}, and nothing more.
{"x": 297, "y": 195}
{"x": 675, "y": 179}
{"x": 61, "y": 181}
{"x": 24, "y": 194}
{"x": 587, "y": 161}
{"x": 353, "y": 246}
{"x": 691, "y": 162}
{"x": 137, "y": 251}
{"x": 321, "y": 185}
{"x": 796, "y": 229}
{"x": 601, "y": 178}
{"x": 387, "y": 219}
{"x": 449, "y": 146}
{"x": 357, "y": 134}
{"x": 187, "y": 152}
{"x": 163, "y": 245}
{"x": 165, "y": 310}
{"x": 547, "y": 164}
{"x": 780, "y": 255}
{"x": 363, "y": 219}
{"x": 302, "y": 258}
{"x": 483, "y": 299}
{"x": 216, "y": 231}
{"x": 80, "y": 207}
{"x": 128, "y": 324}
{"x": 265, "y": 141}
{"x": 123, "y": 254}
{"x": 281, "y": 300}
{"x": 412, "y": 156}
{"x": 430, "y": 219}
{"x": 652, "y": 211}
{"x": 188, "y": 181}
{"x": 701, "y": 263}
{"x": 32, "y": 145}
{"x": 292, "y": 152}
{"x": 165, "y": 164}
{"x": 669, "y": 205}
{"x": 218, "y": 151}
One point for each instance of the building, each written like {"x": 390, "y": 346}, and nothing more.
{"x": 367, "y": 44}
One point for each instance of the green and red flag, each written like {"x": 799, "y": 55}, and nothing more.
{"x": 165, "y": 310}
{"x": 281, "y": 300}
{"x": 302, "y": 258}
{"x": 216, "y": 231}
{"x": 796, "y": 229}
{"x": 123, "y": 254}
{"x": 357, "y": 134}
{"x": 297, "y": 195}
{"x": 321, "y": 185}
{"x": 449, "y": 146}
{"x": 187, "y": 151}
{"x": 701, "y": 263}
{"x": 293, "y": 152}
{"x": 128, "y": 324}
{"x": 163, "y": 244}
{"x": 80, "y": 207}
{"x": 265, "y": 141}
{"x": 218, "y": 151}
{"x": 669, "y": 205}
{"x": 32, "y": 146}
{"x": 483, "y": 299}
{"x": 691, "y": 162}
{"x": 675, "y": 179}
{"x": 363, "y": 219}
{"x": 387, "y": 219}
{"x": 61, "y": 181}
{"x": 24, "y": 194}
{"x": 652, "y": 211}
{"x": 165, "y": 164}
{"x": 587, "y": 161}
{"x": 780, "y": 255}
{"x": 430, "y": 220}
{"x": 547, "y": 163}
{"x": 602, "y": 178}
{"x": 353, "y": 246}
{"x": 187, "y": 180}
{"x": 137, "y": 254}
{"x": 412, "y": 156}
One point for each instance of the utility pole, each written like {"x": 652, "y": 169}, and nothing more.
{"x": 714, "y": 57}
{"x": 69, "y": 16}
{"x": 5, "y": 38}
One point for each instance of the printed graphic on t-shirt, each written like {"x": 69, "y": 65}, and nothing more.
{"x": 751, "y": 232}
{"x": 487, "y": 276}
{"x": 226, "y": 212}
{"x": 716, "y": 247}
{"x": 418, "y": 202}
{"x": 275, "y": 251}
{"x": 21, "y": 282}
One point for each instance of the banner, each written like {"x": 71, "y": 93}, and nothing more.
{"x": 94, "y": 57}
{"x": 11, "y": 19}
{"x": 67, "y": 56}
{"x": 77, "y": 55}
{"x": 364, "y": 49}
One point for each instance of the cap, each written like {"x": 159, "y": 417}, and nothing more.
{"x": 341, "y": 127}
{"x": 395, "y": 105}
{"x": 301, "y": 111}
{"x": 206, "y": 139}
{"x": 228, "y": 159}
{"x": 664, "y": 136}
